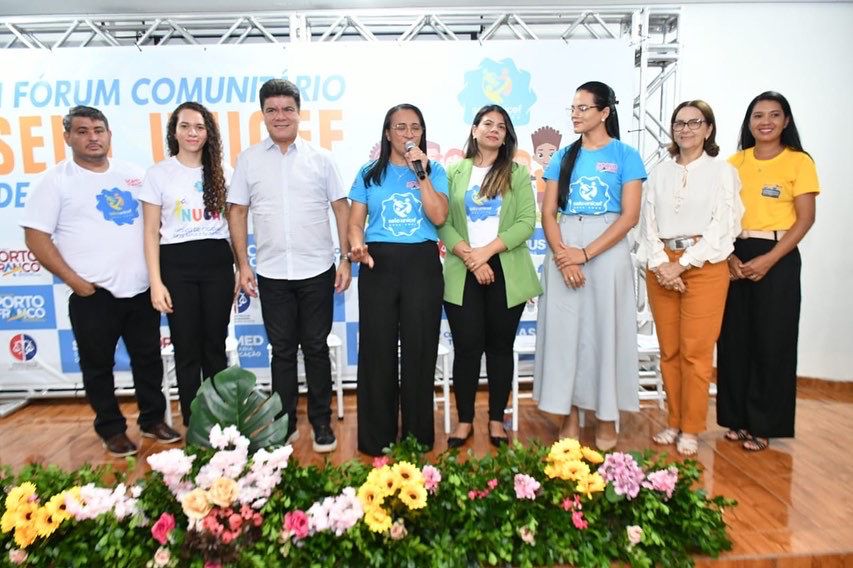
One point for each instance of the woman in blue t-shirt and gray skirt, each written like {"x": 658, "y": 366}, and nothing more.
{"x": 402, "y": 197}
{"x": 586, "y": 340}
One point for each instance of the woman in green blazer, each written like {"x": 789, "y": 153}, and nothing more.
{"x": 488, "y": 272}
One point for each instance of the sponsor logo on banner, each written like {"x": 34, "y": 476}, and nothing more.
{"x": 252, "y": 251}
{"x": 339, "y": 307}
{"x": 242, "y": 302}
{"x": 27, "y": 307}
{"x": 252, "y": 346}
{"x": 537, "y": 243}
{"x": 500, "y": 83}
{"x": 22, "y": 347}
{"x": 118, "y": 206}
{"x": 69, "y": 355}
{"x": 19, "y": 263}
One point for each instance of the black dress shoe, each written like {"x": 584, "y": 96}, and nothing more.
{"x": 120, "y": 445}
{"x": 498, "y": 441}
{"x": 454, "y": 442}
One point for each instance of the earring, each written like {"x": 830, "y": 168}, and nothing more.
{"x": 603, "y": 119}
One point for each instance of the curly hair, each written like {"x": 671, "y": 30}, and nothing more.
{"x": 212, "y": 175}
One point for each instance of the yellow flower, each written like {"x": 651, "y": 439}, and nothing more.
{"x": 20, "y": 495}
{"x": 222, "y": 492}
{"x": 413, "y": 495}
{"x": 195, "y": 504}
{"x": 377, "y": 519}
{"x": 376, "y": 474}
{"x": 7, "y": 522}
{"x": 25, "y": 535}
{"x": 565, "y": 449}
{"x": 370, "y": 495}
{"x": 591, "y": 455}
{"x": 24, "y": 515}
{"x": 552, "y": 471}
{"x": 408, "y": 473}
{"x": 575, "y": 470}
{"x": 590, "y": 484}
{"x": 57, "y": 507}
{"x": 388, "y": 481}
{"x": 45, "y": 522}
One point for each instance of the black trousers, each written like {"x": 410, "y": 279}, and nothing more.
{"x": 398, "y": 299}
{"x": 299, "y": 312}
{"x": 483, "y": 323}
{"x": 200, "y": 279}
{"x": 98, "y": 321}
{"x": 757, "y": 349}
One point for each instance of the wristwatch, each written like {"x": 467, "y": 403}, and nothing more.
{"x": 346, "y": 257}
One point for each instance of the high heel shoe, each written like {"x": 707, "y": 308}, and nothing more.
{"x": 454, "y": 442}
{"x": 498, "y": 441}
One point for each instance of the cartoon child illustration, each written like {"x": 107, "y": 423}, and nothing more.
{"x": 545, "y": 140}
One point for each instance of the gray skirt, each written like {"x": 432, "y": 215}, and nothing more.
{"x": 586, "y": 339}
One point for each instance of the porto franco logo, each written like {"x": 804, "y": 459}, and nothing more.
{"x": 118, "y": 206}
{"x": 18, "y": 263}
{"x": 23, "y": 347}
{"x": 500, "y": 83}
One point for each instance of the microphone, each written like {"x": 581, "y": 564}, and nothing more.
{"x": 419, "y": 167}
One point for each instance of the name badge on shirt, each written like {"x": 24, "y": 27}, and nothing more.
{"x": 773, "y": 191}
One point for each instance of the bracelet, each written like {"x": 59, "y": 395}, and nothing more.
{"x": 585, "y": 255}
{"x": 346, "y": 257}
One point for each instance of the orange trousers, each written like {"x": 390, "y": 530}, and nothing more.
{"x": 688, "y": 324}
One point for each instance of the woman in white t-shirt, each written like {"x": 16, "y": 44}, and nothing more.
{"x": 190, "y": 263}
{"x": 488, "y": 272}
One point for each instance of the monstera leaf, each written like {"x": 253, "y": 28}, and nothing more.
{"x": 230, "y": 398}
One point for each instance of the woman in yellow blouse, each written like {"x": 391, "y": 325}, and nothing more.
{"x": 757, "y": 348}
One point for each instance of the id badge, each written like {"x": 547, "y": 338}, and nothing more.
{"x": 773, "y": 191}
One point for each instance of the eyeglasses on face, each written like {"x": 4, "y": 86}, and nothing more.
{"x": 580, "y": 109}
{"x": 402, "y": 127}
{"x": 692, "y": 124}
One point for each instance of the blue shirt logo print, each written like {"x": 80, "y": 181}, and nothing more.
{"x": 401, "y": 214}
{"x": 118, "y": 206}
{"x": 199, "y": 186}
{"x": 479, "y": 208}
{"x": 589, "y": 195}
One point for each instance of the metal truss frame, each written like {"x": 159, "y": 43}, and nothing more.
{"x": 653, "y": 31}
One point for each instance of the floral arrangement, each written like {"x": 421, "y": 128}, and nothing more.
{"x": 221, "y": 507}
{"x": 237, "y": 500}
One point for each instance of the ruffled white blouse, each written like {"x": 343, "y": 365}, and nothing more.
{"x": 701, "y": 198}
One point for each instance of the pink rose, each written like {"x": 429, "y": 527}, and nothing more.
{"x": 492, "y": 483}
{"x": 472, "y": 495}
{"x": 635, "y": 534}
{"x": 162, "y": 556}
{"x": 235, "y": 521}
{"x": 227, "y": 537}
{"x": 398, "y": 530}
{"x": 17, "y": 556}
{"x": 296, "y": 524}
{"x": 162, "y": 528}
{"x": 578, "y": 520}
{"x": 211, "y": 564}
{"x": 381, "y": 462}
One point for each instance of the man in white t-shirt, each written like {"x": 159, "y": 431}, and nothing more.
{"x": 289, "y": 186}
{"x": 83, "y": 222}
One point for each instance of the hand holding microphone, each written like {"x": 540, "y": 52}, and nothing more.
{"x": 415, "y": 159}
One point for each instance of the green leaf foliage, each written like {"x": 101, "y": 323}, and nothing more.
{"x": 231, "y": 399}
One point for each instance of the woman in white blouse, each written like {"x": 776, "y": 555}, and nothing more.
{"x": 690, "y": 217}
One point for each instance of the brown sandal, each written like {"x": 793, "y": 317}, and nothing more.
{"x": 736, "y": 435}
{"x": 756, "y": 444}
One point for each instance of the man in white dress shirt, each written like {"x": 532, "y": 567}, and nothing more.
{"x": 83, "y": 221}
{"x": 289, "y": 185}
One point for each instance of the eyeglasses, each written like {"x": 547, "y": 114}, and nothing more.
{"x": 581, "y": 108}
{"x": 692, "y": 124}
{"x": 402, "y": 127}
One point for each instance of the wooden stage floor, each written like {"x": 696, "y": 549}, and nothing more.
{"x": 795, "y": 499}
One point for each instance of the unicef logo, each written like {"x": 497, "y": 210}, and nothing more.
{"x": 118, "y": 206}
{"x": 500, "y": 83}
{"x": 589, "y": 195}
{"x": 23, "y": 347}
{"x": 401, "y": 215}
{"x": 243, "y": 302}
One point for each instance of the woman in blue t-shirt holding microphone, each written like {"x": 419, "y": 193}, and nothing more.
{"x": 402, "y": 197}
{"x": 586, "y": 344}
